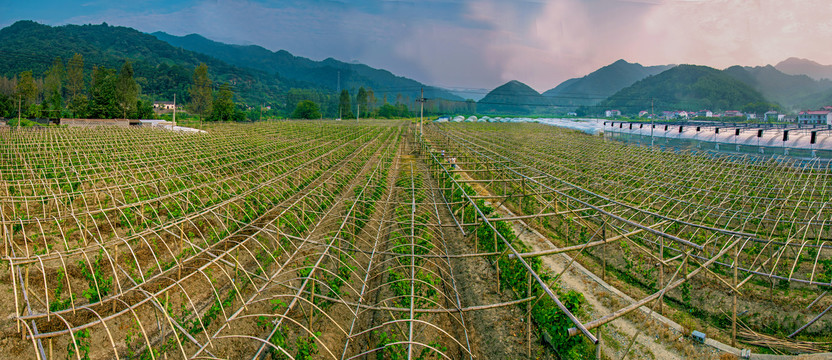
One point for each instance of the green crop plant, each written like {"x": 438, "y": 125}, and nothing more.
{"x": 307, "y": 348}
{"x": 58, "y": 303}
{"x": 80, "y": 348}
{"x": 99, "y": 285}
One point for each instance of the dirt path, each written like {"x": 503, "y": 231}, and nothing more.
{"x": 498, "y": 333}
{"x": 616, "y": 335}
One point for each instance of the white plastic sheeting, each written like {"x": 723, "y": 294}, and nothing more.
{"x": 797, "y": 138}
{"x": 589, "y": 126}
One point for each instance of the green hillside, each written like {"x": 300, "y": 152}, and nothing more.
{"x": 600, "y": 84}
{"x": 684, "y": 87}
{"x": 160, "y": 69}
{"x": 793, "y": 92}
{"x": 324, "y": 74}
{"x": 797, "y": 66}
{"x": 514, "y": 98}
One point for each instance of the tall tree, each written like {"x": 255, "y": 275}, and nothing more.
{"x": 127, "y": 90}
{"x": 75, "y": 76}
{"x": 75, "y": 85}
{"x": 307, "y": 109}
{"x": 7, "y": 106}
{"x": 54, "y": 87}
{"x": 103, "y": 102}
{"x": 361, "y": 99}
{"x": 344, "y": 104}
{"x": 201, "y": 97}
{"x": 371, "y": 100}
{"x": 223, "y": 108}
{"x": 26, "y": 90}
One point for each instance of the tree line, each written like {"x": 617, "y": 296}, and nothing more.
{"x": 311, "y": 104}
{"x": 66, "y": 91}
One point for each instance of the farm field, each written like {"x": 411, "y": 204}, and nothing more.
{"x": 322, "y": 240}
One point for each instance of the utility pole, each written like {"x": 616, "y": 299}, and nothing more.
{"x": 19, "y": 98}
{"x": 338, "y": 94}
{"x": 652, "y": 116}
{"x": 174, "y": 109}
{"x": 261, "y": 111}
{"x": 357, "y": 111}
{"x": 421, "y": 101}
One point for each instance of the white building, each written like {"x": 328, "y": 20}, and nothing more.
{"x": 165, "y": 105}
{"x": 814, "y": 117}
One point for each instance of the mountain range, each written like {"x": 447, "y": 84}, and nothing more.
{"x": 600, "y": 84}
{"x": 514, "y": 98}
{"x": 164, "y": 69}
{"x": 163, "y": 66}
{"x": 796, "y": 66}
{"x": 685, "y": 87}
{"x": 329, "y": 74}
{"x": 630, "y": 87}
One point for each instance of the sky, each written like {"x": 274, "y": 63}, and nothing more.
{"x": 479, "y": 44}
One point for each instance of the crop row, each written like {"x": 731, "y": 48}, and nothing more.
{"x": 657, "y": 219}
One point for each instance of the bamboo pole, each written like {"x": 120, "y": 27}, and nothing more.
{"x": 529, "y": 319}
{"x": 734, "y": 292}
{"x": 497, "y": 259}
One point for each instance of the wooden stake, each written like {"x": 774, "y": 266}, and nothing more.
{"x": 734, "y": 300}
{"x": 604, "y": 251}
{"x": 661, "y": 272}
{"x": 497, "y": 259}
{"x": 529, "y": 319}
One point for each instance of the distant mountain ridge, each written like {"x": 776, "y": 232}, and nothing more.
{"x": 321, "y": 73}
{"x": 797, "y": 66}
{"x": 794, "y": 92}
{"x": 601, "y": 84}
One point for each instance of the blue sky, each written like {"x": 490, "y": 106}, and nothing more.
{"x": 479, "y": 43}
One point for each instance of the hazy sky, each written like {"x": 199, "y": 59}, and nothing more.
{"x": 479, "y": 43}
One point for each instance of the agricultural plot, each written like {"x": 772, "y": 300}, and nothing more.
{"x": 308, "y": 240}
{"x": 737, "y": 246}
{"x": 281, "y": 240}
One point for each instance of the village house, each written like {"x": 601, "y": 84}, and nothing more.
{"x": 814, "y": 117}
{"x": 705, "y": 113}
{"x": 165, "y": 106}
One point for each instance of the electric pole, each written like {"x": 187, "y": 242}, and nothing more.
{"x": 652, "y": 116}
{"x": 19, "y": 98}
{"x": 338, "y": 93}
{"x": 174, "y": 109}
{"x": 421, "y": 101}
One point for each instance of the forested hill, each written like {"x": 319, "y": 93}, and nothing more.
{"x": 794, "y": 92}
{"x": 321, "y": 73}
{"x": 514, "y": 98}
{"x": 685, "y": 87}
{"x": 160, "y": 68}
{"x": 600, "y": 84}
